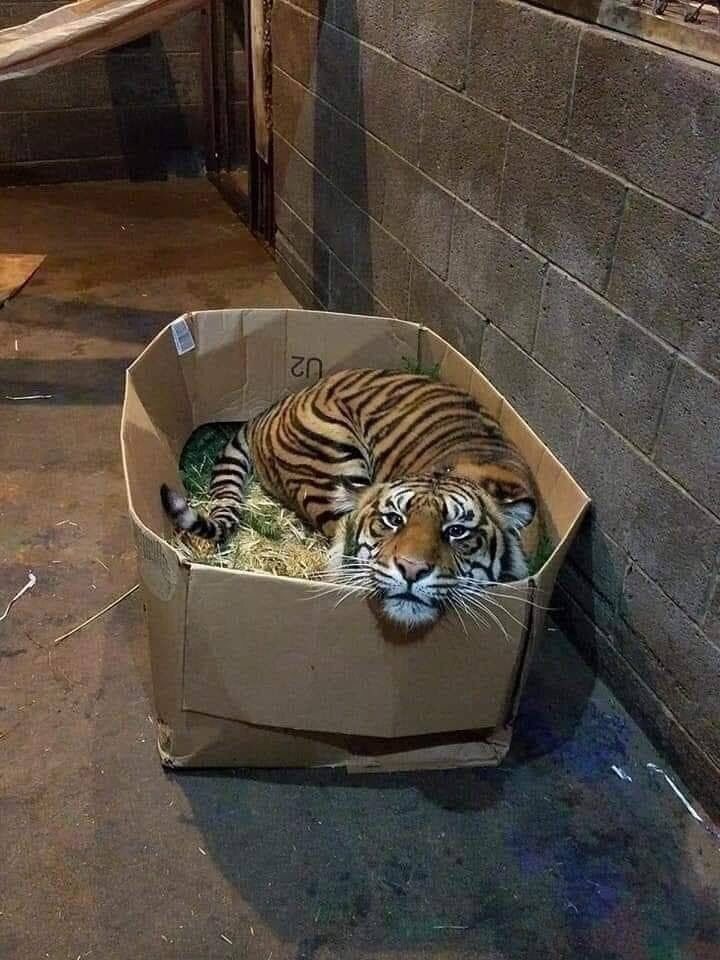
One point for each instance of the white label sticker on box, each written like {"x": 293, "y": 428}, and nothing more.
{"x": 184, "y": 342}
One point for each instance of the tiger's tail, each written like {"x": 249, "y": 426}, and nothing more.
{"x": 230, "y": 477}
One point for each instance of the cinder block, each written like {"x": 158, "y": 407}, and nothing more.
{"x": 316, "y": 201}
{"x": 121, "y": 79}
{"x": 609, "y": 363}
{"x": 303, "y": 120}
{"x": 57, "y": 134}
{"x": 601, "y": 561}
{"x": 335, "y": 219}
{"x": 390, "y": 102}
{"x": 371, "y": 20}
{"x": 711, "y": 623}
{"x": 674, "y": 540}
{"x": 501, "y": 277}
{"x": 594, "y": 604}
{"x": 666, "y": 275}
{"x": 112, "y": 81}
{"x": 418, "y": 213}
{"x": 13, "y": 138}
{"x": 183, "y": 34}
{"x": 337, "y": 71}
{"x": 294, "y": 179}
{"x": 563, "y": 207}
{"x": 382, "y": 264}
{"x": 343, "y": 151}
{"x": 347, "y": 295}
{"x": 551, "y": 410}
{"x": 670, "y": 652}
{"x": 435, "y": 305}
{"x": 359, "y": 163}
{"x": 672, "y": 636}
{"x": 303, "y": 294}
{"x": 308, "y": 248}
{"x": 653, "y": 118}
{"x": 522, "y": 62}
{"x": 31, "y": 93}
{"x": 432, "y": 36}
{"x": 295, "y": 42}
{"x": 577, "y": 623}
{"x": 160, "y": 127}
{"x": 304, "y": 271}
{"x": 462, "y": 145}
{"x": 688, "y": 444}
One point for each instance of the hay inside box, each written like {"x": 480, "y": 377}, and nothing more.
{"x": 271, "y": 539}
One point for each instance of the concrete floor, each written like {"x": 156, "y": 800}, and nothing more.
{"x": 108, "y": 856}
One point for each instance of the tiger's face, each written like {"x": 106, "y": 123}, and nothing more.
{"x": 425, "y": 545}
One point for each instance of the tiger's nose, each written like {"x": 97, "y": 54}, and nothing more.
{"x": 412, "y": 570}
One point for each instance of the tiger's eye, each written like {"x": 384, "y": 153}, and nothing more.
{"x": 392, "y": 520}
{"x": 456, "y": 531}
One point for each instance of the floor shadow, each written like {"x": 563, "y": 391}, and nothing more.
{"x": 541, "y": 857}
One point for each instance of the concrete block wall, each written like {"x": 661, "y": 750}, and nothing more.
{"x": 135, "y": 111}
{"x": 545, "y": 194}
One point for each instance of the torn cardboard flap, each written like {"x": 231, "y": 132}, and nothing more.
{"x": 250, "y": 669}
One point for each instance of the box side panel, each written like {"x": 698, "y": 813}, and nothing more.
{"x": 245, "y": 360}
{"x": 299, "y": 661}
{"x": 150, "y": 457}
{"x": 159, "y": 387}
{"x": 323, "y": 343}
{"x": 164, "y": 581}
{"x": 237, "y": 366}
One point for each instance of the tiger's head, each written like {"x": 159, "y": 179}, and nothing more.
{"x": 425, "y": 544}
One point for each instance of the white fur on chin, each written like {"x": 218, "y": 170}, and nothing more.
{"x": 409, "y": 614}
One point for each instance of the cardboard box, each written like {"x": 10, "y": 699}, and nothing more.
{"x": 254, "y": 670}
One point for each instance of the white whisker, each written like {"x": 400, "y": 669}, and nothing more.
{"x": 479, "y": 587}
{"x": 460, "y": 600}
{"x": 492, "y": 616}
{"x": 455, "y": 610}
{"x": 495, "y": 603}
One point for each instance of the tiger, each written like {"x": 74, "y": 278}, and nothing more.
{"x": 422, "y": 497}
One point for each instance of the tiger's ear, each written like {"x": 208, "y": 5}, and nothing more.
{"x": 511, "y": 494}
{"x": 518, "y": 512}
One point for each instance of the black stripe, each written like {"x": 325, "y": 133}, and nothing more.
{"x": 349, "y": 450}
{"x": 345, "y": 383}
{"x": 318, "y": 499}
{"x": 327, "y": 516}
{"x": 433, "y": 434}
{"x": 441, "y": 444}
